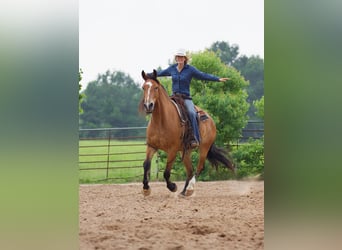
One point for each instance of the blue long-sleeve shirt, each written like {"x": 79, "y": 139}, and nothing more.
{"x": 181, "y": 80}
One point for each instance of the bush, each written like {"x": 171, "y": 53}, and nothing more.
{"x": 250, "y": 158}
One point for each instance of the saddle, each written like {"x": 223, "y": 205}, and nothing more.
{"x": 178, "y": 101}
{"x": 188, "y": 136}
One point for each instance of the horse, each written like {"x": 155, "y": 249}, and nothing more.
{"x": 165, "y": 132}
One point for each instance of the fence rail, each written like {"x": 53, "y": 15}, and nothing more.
{"x": 117, "y": 154}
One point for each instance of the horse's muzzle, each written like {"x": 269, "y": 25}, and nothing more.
{"x": 149, "y": 107}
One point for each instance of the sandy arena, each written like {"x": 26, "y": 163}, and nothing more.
{"x": 219, "y": 215}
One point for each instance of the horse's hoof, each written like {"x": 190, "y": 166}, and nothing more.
{"x": 181, "y": 194}
{"x": 189, "y": 192}
{"x": 146, "y": 192}
{"x": 172, "y": 187}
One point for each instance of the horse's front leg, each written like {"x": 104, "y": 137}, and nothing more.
{"x": 147, "y": 166}
{"x": 171, "y": 157}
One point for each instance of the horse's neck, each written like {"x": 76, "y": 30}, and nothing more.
{"x": 165, "y": 112}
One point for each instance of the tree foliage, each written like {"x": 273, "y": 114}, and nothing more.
{"x": 259, "y": 106}
{"x": 111, "y": 101}
{"x": 225, "y": 52}
{"x": 251, "y": 68}
{"x": 225, "y": 101}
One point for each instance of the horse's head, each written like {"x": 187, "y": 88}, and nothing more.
{"x": 151, "y": 91}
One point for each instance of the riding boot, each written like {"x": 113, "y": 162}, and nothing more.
{"x": 194, "y": 144}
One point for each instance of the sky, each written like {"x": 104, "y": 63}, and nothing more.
{"x": 135, "y": 35}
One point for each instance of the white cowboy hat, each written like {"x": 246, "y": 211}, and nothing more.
{"x": 180, "y": 52}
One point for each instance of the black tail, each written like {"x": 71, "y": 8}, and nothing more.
{"x": 218, "y": 155}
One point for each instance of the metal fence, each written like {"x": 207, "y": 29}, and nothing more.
{"x": 254, "y": 129}
{"x": 117, "y": 154}
{"x": 111, "y": 153}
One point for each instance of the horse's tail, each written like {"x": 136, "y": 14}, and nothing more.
{"x": 218, "y": 155}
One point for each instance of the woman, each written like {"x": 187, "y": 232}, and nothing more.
{"x": 181, "y": 74}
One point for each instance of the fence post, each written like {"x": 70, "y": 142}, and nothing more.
{"x": 108, "y": 151}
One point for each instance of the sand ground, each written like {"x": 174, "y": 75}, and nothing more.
{"x": 219, "y": 215}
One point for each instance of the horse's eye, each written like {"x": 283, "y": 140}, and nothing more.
{"x": 156, "y": 88}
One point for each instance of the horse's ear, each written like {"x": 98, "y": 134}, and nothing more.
{"x": 155, "y": 74}
{"x": 143, "y": 74}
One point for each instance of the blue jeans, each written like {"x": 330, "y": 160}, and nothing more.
{"x": 192, "y": 115}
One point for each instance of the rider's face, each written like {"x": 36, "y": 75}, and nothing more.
{"x": 180, "y": 59}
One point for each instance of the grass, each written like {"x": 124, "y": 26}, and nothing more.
{"x": 123, "y": 164}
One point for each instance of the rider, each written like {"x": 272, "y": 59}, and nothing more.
{"x": 182, "y": 73}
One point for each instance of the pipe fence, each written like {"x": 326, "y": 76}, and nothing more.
{"x": 117, "y": 154}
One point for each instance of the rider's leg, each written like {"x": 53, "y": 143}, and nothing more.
{"x": 192, "y": 115}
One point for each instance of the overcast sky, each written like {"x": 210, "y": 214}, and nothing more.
{"x": 136, "y": 35}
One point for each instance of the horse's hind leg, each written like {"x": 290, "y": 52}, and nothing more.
{"x": 189, "y": 187}
{"x": 201, "y": 160}
{"x": 147, "y": 166}
{"x": 188, "y": 190}
{"x": 171, "y": 157}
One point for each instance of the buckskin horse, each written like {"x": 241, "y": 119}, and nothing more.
{"x": 165, "y": 132}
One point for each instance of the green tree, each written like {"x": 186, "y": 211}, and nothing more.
{"x": 251, "y": 68}
{"x": 111, "y": 101}
{"x": 228, "y": 54}
{"x": 225, "y": 101}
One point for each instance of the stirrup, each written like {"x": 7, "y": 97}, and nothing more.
{"x": 194, "y": 144}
